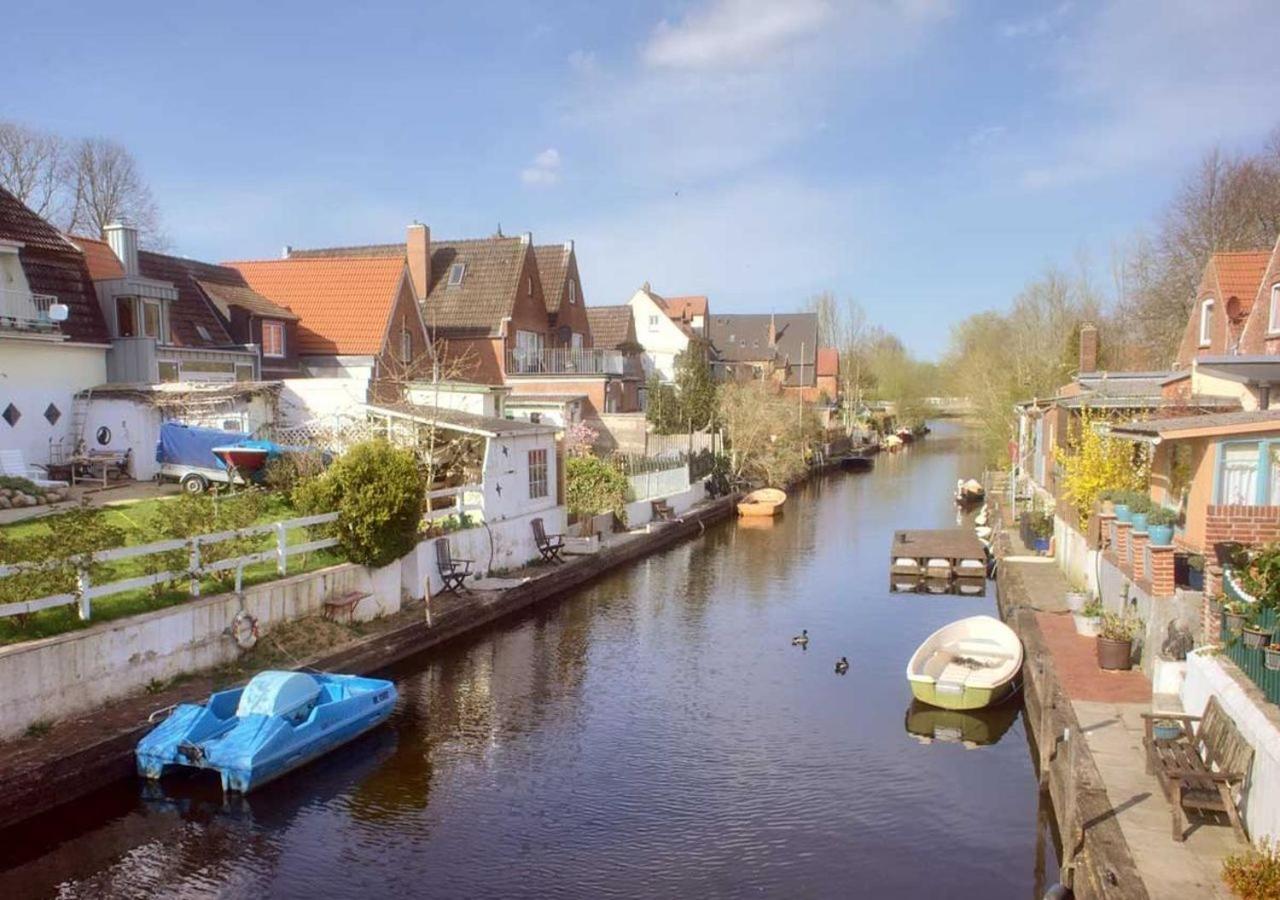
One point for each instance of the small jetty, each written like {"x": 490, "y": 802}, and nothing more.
{"x": 942, "y": 553}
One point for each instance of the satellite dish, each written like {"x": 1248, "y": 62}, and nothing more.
{"x": 58, "y": 312}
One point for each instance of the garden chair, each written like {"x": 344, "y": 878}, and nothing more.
{"x": 452, "y": 571}
{"x": 550, "y": 547}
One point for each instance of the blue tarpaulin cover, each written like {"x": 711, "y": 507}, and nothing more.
{"x": 190, "y": 446}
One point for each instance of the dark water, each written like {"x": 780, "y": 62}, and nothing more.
{"x": 654, "y": 735}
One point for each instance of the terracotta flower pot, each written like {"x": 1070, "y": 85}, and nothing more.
{"x": 1114, "y": 655}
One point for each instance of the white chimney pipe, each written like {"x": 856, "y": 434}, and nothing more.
{"x": 123, "y": 239}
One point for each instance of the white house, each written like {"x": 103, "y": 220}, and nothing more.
{"x": 662, "y": 336}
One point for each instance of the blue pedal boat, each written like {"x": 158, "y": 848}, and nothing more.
{"x": 275, "y": 723}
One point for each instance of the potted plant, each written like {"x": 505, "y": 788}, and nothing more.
{"x": 1271, "y": 657}
{"x": 1139, "y": 509}
{"x": 1089, "y": 618}
{"x": 1253, "y": 635}
{"x": 1041, "y": 530}
{"x": 1160, "y": 522}
{"x": 1115, "y": 641}
{"x": 1234, "y": 614}
{"x": 1195, "y": 572}
{"x": 1076, "y": 599}
{"x": 1120, "y": 505}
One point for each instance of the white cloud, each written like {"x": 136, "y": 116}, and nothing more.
{"x": 1137, "y": 86}
{"x": 1036, "y": 26}
{"x": 735, "y": 33}
{"x": 544, "y": 171}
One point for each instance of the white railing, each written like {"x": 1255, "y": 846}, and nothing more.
{"x": 466, "y": 498}
{"x": 24, "y": 309}
{"x": 564, "y": 361}
{"x": 86, "y": 591}
{"x": 648, "y": 485}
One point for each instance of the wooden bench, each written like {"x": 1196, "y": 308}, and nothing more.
{"x": 342, "y": 604}
{"x": 662, "y": 510}
{"x": 1200, "y": 769}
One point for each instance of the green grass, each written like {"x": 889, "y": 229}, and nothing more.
{"x": 131, "y": 518}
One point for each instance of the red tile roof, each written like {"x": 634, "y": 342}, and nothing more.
{"x": 343, "y": 303}
{"x": 102, "y": 261}
{"x": 828, "y": 361}
{"x": 1240, "y": 273}
{"x": 686, "y": 307}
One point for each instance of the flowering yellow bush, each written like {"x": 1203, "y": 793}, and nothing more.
{"x": 1094, "y": 462}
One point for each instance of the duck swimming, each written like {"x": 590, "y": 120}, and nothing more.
{"x": 842, "y": 665}
{"x": 801, "y": 639}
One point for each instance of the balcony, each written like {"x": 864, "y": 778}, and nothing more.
{"x": 25, "y": 311}
{"x": 563, "y": 361}
{"x": 141, "y": 359}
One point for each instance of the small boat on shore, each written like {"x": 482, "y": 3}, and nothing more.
{"x": 906, "y": 435}
{"x": 892, "y": 443}
{"x": 856, "y": 461}
{"x": 764, "y": 502}
{"x": 244, "y": 459}
{"x": 274, "y": 724}
{"x": 970, "y": 492}
{"x": 972, "y": 663}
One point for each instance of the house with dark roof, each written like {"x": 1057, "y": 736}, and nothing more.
{"x": 53, "y": 341}
{"x": 486, "y": 311}
{"x": 173, "y": 319}
{"x": 783, "y": 347}
{"x": 614, "y": 328}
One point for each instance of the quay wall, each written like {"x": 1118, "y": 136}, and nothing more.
{"x": 77, "y": 671}
{"x": 1209, "y": 675}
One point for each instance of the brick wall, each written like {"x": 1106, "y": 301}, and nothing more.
{"x": 1246, "y": 524}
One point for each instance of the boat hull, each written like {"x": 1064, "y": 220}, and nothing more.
{"x": 764, "y": 502}
{"x": 969, "y": 698}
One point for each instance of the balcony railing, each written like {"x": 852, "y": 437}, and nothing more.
{"x": 26, "y": 310}
{"x": 564, "y": 361}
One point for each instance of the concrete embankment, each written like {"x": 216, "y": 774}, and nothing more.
{"x": 82, "y": 754}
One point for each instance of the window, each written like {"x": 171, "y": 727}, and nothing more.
{"x": 406, "y": 343}
{"x": 204, "y": 333}
{"x": 168, "y": 371}
{"x": 244, "y": 372}
{"x": 1274, "y": 488}
{"x": 456, "y": 271}
{"x": 1239, "y": 474}
{"x": 537, "y": 474}
{"x": 653, "y": 323}
{"x": 273, "y": 339}
{"x": 1206, "y": 322}
{"x": 1274, "y": 319}
{"x": 151, "y": 320}
{"x": 528, "y": 351}
{"x": 576, "y": 341}
{"x": 529, "y": 285}
{"x": 573, "y": 291}
{"x": 126, "y": 325}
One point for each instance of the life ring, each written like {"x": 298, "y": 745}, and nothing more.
{"x": 244, "y": 628}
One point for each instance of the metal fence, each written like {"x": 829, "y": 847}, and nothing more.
{"x": 1253, "y": 662}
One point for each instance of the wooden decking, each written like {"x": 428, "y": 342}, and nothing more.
{"x": 939, "y": 553}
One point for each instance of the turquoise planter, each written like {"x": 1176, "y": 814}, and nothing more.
{"x": 1161, "y": 535}
{"x": 1139, "y": 521}
{"x": 1122, "y": 512}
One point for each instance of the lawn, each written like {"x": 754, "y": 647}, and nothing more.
{"x": 132, "y": 519}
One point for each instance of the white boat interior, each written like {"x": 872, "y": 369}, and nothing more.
{"x": 977, "y": 652}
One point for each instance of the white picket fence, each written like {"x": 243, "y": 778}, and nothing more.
{"x": 467, "y": 498}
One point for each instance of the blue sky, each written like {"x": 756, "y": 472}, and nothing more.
{"x": 926, "y": 157}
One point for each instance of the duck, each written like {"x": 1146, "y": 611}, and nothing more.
{"x": 842, "y": 665}
{"x": 801, "y": 639}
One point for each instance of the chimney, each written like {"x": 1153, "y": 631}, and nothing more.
{"x": 526, "y": 238}
{"x": 568, "y": 246}
{"x": 123, "y": 239}
{"x": 773, "y": 332}
{"x": 287, "y": 251}
{"x": 1088, "y": 348}
{"x": 418, "y": 249}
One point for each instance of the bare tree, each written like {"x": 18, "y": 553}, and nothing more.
{"x": 31, "y": 168}
{"x": 105, "y": 185}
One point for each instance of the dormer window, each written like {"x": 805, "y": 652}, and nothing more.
{"x": 1274, "y": 317}
{"x": 1206, "y": 322}
{"x": 456, "y": 271}
{"x": 272, "y": 338}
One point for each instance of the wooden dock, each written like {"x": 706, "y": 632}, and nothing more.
{"x": 944, "y": 553}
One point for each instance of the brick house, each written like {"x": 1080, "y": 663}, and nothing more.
{"x": 356, "y": 316}
{"x": 1223, "y": 303}
{"x": 485, "y": 306}
{"x": 177, "y": 319}
{"x": 781, "y": 347}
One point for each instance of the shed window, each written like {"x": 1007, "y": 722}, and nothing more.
{"x": 273, "y": 339}
{"x": 1274, "y": 318}
{"x": 456, "y": 271}
{"x": 1239, "y": 474}
{"x": 1206, "y": 322}
{"x": 537, "y": 474}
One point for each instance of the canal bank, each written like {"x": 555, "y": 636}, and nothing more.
{"x": 652, "y": 734}
{"x": 86, "y": 752}
{"x": 1112, "y": 817}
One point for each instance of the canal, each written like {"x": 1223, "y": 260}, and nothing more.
{"x": 653, "y": 735}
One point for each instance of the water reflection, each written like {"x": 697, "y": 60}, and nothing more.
{"x": 972, "y": 728}
{"x": 910, "y": 584}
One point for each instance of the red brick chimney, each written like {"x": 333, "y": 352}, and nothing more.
{"x": 1088, "y": 348}
{"x": 418, "y": 249}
